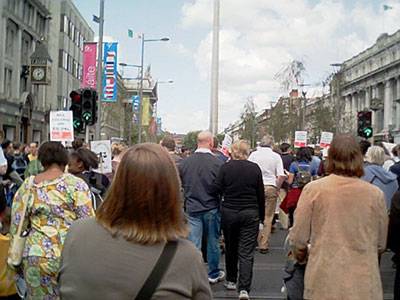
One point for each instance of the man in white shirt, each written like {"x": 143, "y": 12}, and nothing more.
{"x": 271, "y": 166}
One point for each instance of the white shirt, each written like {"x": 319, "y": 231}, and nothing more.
{"x": 203, "y": 150}
{"x": 270, "y": 163}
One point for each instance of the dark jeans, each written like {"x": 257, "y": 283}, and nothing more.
{"x": 240, "y": 228}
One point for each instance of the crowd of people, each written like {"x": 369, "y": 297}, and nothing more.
{"x": 134, "y": 233}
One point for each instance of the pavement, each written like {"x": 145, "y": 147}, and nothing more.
{"x": 267, "y": 276}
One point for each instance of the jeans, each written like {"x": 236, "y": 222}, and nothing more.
{"x": 240, "y": 229}
{"x": 210, "y": 222}
{"x": 271, "y": 197}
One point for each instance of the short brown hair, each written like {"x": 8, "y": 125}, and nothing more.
{"x": 53, "y": 153}
{"x": 144, "y": 201}
{"x": 345, "y": 157}
{"x": 169, "y": 143}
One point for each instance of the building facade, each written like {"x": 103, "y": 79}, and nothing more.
{"x": 24, "y": 107}
{"x": 371, "y": 81}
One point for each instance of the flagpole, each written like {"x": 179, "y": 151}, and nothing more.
{"x": 100, "y": 71}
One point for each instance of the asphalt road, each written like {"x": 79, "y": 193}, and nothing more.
{"x": 267, "y": 277}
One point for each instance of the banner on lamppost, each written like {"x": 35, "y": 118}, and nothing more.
{"x": 110, "y": 72}
{"x": 135, "y": 103}
{"x": 89, "y": 66}
{"x": 146, "y": 111}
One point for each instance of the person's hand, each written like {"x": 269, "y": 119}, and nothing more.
{"x": 261, "y": 226}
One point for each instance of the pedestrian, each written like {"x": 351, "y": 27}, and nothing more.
{"x": 112, "y": 256}
{"x": 395, "y": 167}
{"x": 34, "y": 166}
{"x": 82, "y": 164}
{"x": 374, "y": 173}
{"x": 286, "y": 154}
{"x": 315, "y": 160}
{"x": 218, "y": 152}
{"x": 343, "y": 220}
{"x": 393, "y": 242}
{"x": 301, "y": 172}
{"x": 33, "y": 155}
{"x": 117, "y": 150}
{"x": 240, "y": 183}
{"x": 198, "y": 173}
{"x": 364, "y": 146}
{"x": 271, "y": 166}
{"x": 169, "y": 144}
{"x": 54, "y": 200}
{"x": 20, "y": 163}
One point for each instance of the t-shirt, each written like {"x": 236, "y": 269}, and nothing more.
{"x": 304, "y": 166}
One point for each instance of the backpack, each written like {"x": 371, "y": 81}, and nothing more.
{"x": 19, "y": 165}
{"x": 303, "y": 176}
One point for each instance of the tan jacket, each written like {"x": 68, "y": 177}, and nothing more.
{"x": 345, "y": 221}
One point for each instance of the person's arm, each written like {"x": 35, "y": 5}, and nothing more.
{"x": 300, "y": 233}
{"x": 218, "y": 185}
{"x": 83, "y": 201}
{"x": 280, "y": 173}
{"x": 22, "y": 196}
{"x": 260, "y": 195}
{"x": 292, "y": 172}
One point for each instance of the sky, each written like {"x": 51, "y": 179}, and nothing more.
{"x": 257, "y": 39}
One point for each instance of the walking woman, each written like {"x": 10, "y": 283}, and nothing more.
{"x": 240, "y": 183}
{"x": 341, "y": 224}
{"x": 54, "y": 201}
{"x": 138, "y": 239}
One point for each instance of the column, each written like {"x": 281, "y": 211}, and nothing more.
{"x": 347, "y": 104}
{"x": 387, "y": 105}
{"x": 353, "y": 104}
{"x": 398, "y": 103}
{"x": 367, "y": 98}
{"x": 373, "y": 96}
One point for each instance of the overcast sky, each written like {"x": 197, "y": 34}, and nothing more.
{"x": 258, "y": 38}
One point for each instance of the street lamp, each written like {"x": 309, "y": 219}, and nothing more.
{"x": 164, "y": 39}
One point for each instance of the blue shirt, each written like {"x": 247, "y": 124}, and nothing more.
{"x": 304, "y": 166}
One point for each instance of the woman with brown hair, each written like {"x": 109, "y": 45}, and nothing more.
{"x": 341, "y": 224}
{"x": 130, "y": 246}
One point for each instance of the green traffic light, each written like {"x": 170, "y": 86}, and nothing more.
{"x": 367, "y": 132}
{"x": 87, "y": 116}
{"x": 77, "y": 124}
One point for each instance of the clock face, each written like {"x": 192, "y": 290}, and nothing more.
{"x": 38, "y": 74}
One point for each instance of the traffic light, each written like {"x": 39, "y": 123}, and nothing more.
{"x": 364, "y": 124}
{"x": 76, "y": 107}
{"x": 89, "y": 106}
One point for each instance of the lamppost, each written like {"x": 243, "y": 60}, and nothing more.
{"x": 165, "y": 39}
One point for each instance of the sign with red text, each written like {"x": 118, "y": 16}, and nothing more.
{"x": 61, "y": 127}
{"x": 300, "y": 139}
{"x": 89, "y": 66}
{"x": 326, "y": 139}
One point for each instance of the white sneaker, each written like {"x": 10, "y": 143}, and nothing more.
{"x": 244, "y": 295}
{"x": 229, "y": 285}
{"x": 221, "y": 276}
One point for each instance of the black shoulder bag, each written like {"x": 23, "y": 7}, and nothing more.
{"x": 154, "y": 279}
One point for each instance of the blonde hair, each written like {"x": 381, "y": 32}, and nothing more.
{"x": 240, "y": 150}
{"x": 118, "y": 148}
{"x": 375, "y": 155}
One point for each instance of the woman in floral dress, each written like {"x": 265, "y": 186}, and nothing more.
{"x": 55, "y": 200}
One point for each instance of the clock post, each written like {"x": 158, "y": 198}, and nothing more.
{"x": 40, "y": 68}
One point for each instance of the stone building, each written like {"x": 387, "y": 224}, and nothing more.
{"x": 24, "y": 106}
{"x": 371, "y": 81}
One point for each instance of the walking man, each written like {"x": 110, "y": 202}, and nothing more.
{"x": 202, "y": 205}
{"x": 273, "y": 174}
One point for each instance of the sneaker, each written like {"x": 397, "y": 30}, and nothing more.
{"x": 229, "y": 285}
{"x": 219, "y": 278}
{"x": 244, "y": 295}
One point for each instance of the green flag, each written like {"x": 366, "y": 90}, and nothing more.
{"x": 130, "y": 33}
{"x": 387, "y": 7}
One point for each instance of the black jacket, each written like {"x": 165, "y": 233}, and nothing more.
{"x": 393, "y": 241}
{"x": 198, "y": 173}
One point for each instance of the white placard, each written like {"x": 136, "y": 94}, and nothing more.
{"x": 326, "y": 139}
{"x": 103, "y": 151}
{"x": 300, "y": 139}
{"x": 61, "y": 127}
{"x": 226, "y": 144}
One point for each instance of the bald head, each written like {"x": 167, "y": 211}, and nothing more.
{"x": 205, "y": 139}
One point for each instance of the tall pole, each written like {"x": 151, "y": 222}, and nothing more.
{"x": 141, "y": 93}
{"x": 100, "y": 70}
{"x": 214, "y": 71}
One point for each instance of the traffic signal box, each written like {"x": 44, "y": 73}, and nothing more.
{"x": 364, "y": 124}
{"x": 84, "y": 108}
{"x": 76, "y": 107}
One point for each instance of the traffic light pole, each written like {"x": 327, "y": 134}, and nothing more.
{"x": 86, "y": 134}
{"x": 99, "y": 71}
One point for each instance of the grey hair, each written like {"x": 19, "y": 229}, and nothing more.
{"x": 204, "y": 136}
{"x": 267, "y": 141}
{"x": 375, "y": 155}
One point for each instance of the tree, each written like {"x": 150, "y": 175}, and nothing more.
{"x": 190, "y": 140}
{"x": 291, "y": 75}
{"x": 248, "y": 118}
{"x": 322, "y": 119}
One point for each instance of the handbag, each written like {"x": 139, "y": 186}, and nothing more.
{"x": 19, "y": 239}
{"x": 154, "y": 279}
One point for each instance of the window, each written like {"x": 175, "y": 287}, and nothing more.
{"x": 75, "y": 68}
{"x": 63, "y": 60}
{"x": 11, "y": 4}
{"x": 31, "y": 12}
{"x": 26, "y": 11}
{"x": 80, "y": 72}
{"x": 11, "y": 35}
{"x": 70, "y": 25}
{"x": 64, "y": 24}
{"x": 73, "y": 32}
{"x": 26, "y": 47}
{"x": 7, "y": 82}
{"x": 40, "y": 24}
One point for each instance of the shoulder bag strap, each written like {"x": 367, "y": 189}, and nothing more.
{"x": 154, "y": 279}
{"x": 26, "y": 204}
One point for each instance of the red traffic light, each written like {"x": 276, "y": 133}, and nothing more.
{"x": 75, "y": 97}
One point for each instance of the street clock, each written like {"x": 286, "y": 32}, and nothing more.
{"x": 40, "y": 67}
{"x": 38, "y": 75}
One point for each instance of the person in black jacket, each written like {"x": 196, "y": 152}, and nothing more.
{"x": 241, "y": 184}
{"x": 393, "y": 242}
{"x": 198, "y": 173}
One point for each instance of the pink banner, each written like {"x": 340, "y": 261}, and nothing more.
{"x": 89, "y": 66}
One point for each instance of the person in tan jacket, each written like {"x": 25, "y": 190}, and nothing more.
{"x": 343, "y": 221}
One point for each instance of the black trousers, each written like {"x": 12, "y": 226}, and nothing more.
{"x": 240, "y": 228}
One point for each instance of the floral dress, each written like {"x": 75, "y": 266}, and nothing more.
{"x": 53, "y": 206}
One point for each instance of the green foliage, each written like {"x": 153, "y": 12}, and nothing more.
{"x": 190, "y": 140}
{"x": 248, "y": 118}
{"x": 323, "y": 119}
